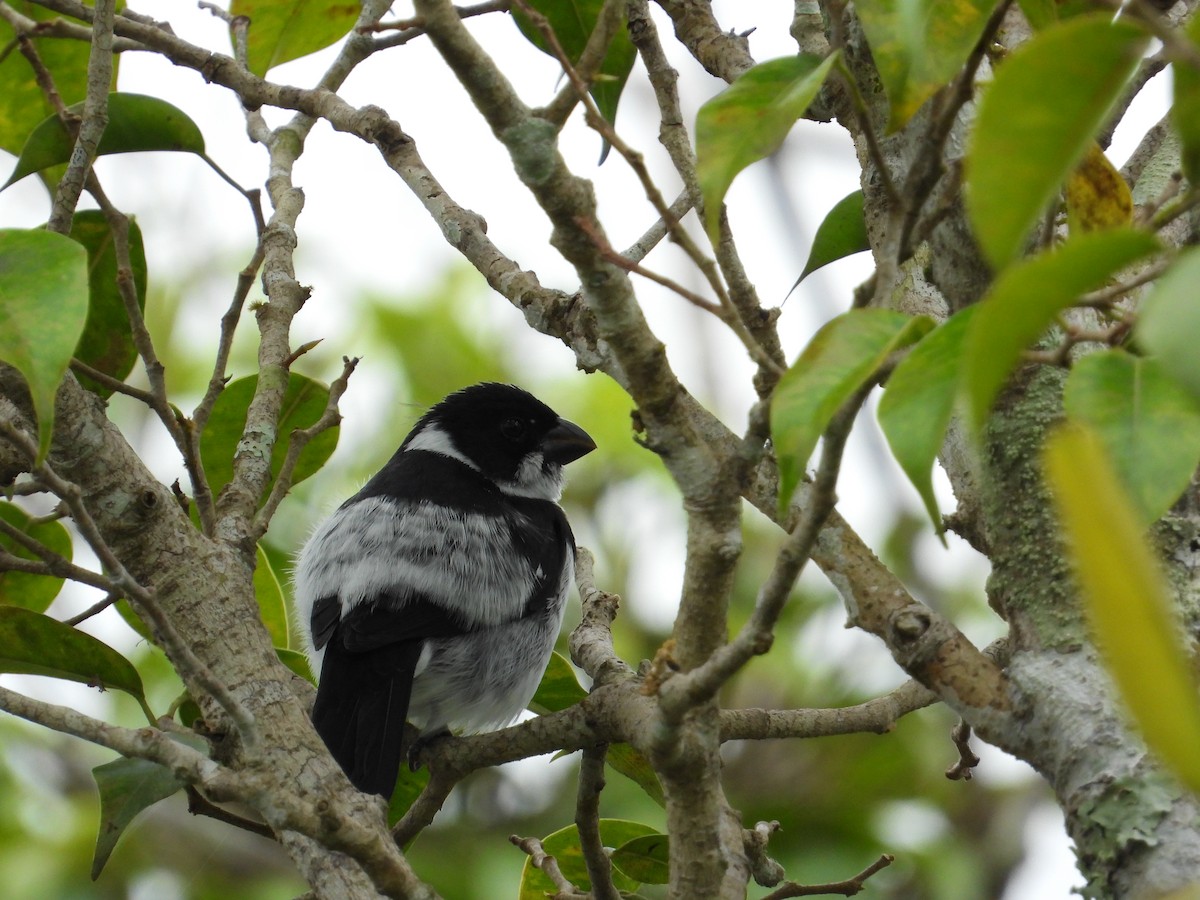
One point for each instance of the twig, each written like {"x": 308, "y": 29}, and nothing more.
{"x": 94, "y": 609}
{"x": 549, "y": 866}
{"x": 765, "y": 871}
{"x": 641, "y": 248}
{"x": 201, "y": 490}
{"x": 297, "y": 441}
{"x": 407, "y": 29}
{"x": 95, "y": 120}
{"x": 591, "y": 642}
{"x": 847, "y": 888}
{"x": 963, "y": 768}
{"x": 608, "y": 22}
{"x": 629, "y": 266}
{"x": 199, "y": 805}
{"x": 876, "y": 716}
{"x": 587, "y": 821}
{"x": 142, "y": 743}
{"x": 116, "y": 385}
{"x": 729, "y": 314}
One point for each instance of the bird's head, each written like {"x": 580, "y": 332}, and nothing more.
{"x": 505, "y": 433}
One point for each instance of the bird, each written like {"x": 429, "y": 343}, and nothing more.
{"x": 435, "y": 594}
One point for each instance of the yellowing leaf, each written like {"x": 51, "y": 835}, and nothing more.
{"x": 1126, "y": 598}
{"x": 1097, "y": 195}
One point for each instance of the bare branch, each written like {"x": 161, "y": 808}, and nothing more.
{"x": 847, "y": 888}
{"x": 549, "y": 866}
{"x": 587, "y": 821}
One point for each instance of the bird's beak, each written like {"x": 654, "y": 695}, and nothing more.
{"x": 566, "y": 442}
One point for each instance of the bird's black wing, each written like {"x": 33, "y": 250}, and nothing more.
{"x": 366, "y": 682}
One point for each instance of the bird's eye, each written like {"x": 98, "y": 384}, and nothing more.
{"x": 514, "y": 429}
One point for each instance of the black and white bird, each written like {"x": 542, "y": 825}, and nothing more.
{"x": 435, "y": 594}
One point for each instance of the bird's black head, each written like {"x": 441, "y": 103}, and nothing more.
{"x": 507, "y": 434}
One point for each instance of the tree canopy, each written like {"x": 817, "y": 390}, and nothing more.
{"x": 592, "y": 199}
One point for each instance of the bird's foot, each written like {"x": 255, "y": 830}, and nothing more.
{"x": 420, "y": 744}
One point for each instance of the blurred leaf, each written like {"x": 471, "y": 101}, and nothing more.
{"x": 841, "y": 233}
{"x": 1149, "y": 426}
{"x": 135, "y": 123}
{"x": 1169, "y": 324}
{"x": 32, "y": 592}
{"x": 283, "y": 30}
{"x": 1097, "y": 195}
{"x": 563, "y": 845}
{"x": 271, "y": 606}
{"x": 749, "y": 120}
{"x": 631, "y": 763}
{"x": 34, "y": 644}
{"x": 127, "y": 787}
{"x": 107, "y": 340}
{"x": 43, "y": 306}
{"x": 1036, "y": 121}
{"x": 303, "y": 403}
{"x": 1025, "y": 300}
{"x": 1126, "y": 598}
{"x": 919, "y": 46}
{"x": 645, "y": 859}
{"x": 559, "y": 687}
{"x": 839, "y": 360}
{"x": 189, "y": 713}
{"x": 573, "y": 22}
{"x": 918, "y": 401}
{"x": 297, "y": 662}
{"x": 23, "y": 104}
{"x": 1185, "y": 111}
{"x": 133, "y": 620}
{"x": 1039, "y": 13}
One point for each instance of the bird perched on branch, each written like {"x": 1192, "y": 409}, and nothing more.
{"x": 435, "y": 594}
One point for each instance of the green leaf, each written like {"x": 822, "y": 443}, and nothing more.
{"x": 43, "y": 307}
{"x": 563, "y": 845}
{"x": 839, "y": 360}
{"x": 297, "y": 662}
{"x": 1025, "y": 300}
{"x": 133, "y": 620}
{"x": 631, "y": 763}
{"x": 34, "y": 644}
{"x": 303, "y": 403}
{"x": 842, "y": 232}
{"x": 920, "y": 45}
{"x": 1126, "y": 598}
{"x": 573, "y": 22}
{"x": 409, "y": 785}
{"x": 269, "y": 593}
{"x": 283, "y": 30}
{"x": 1169, "y": 325}
{"x": 559, "y": 687}
{"x": 1185, "y": 111}
{"x": 918, "y": 402}
{"x": 749, "y": 120}
{"x": 107, "y": 340}
{"x": 23, "y": 104}
{"x": 32, "y": 592}
{"x": 645, "y": 859}
{"x": 1037, "y": 120}
{"x": 1149, "y": 426}
{"x": 135, "y": 123}
{"x": 127, "y": 787}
